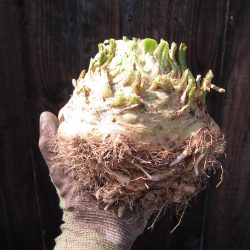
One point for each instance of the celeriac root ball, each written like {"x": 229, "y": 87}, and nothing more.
{"x": 136, "y": 133}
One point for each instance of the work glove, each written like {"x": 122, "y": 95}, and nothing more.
{"x": 86, "y": 225}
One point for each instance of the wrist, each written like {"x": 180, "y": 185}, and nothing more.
{"x": 100, "y": 228}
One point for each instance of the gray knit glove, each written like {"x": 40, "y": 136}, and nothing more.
{"x": 85, "y": 225}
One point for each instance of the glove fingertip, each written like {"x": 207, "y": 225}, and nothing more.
{"x": 48, "y": 124}
{"x": 48, "y": 128}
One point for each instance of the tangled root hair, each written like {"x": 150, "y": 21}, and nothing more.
{"x": 122, "y": 175}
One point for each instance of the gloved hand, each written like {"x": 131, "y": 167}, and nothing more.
{"x": 85, "y": 226}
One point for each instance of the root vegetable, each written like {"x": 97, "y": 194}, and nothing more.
{"x": 137, "y": 126}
